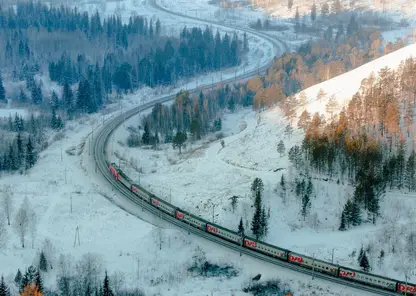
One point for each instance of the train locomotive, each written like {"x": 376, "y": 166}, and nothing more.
{"x": 304, "y": 261}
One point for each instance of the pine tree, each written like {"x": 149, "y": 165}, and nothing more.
{"x": 43, "y": 263}
{"x": 283, "y": 188}
{"x": 20, "y": 154}
{"x": 107, "y": 289}
{"x": 146, "y": 135}
{"x": 342, "y": 225}
{"x": 30, "y": 155}
{"x": 281, "y": 148}
{"x": 264, "y": 223}
{"x": 256, "y": 226}
{"x": 18, "y": 277}
{"x": 257, "y": 187}
{"x": 38, "y": 281}
{"x": 4, "y": 290}
{"x": 313, "y": 12}
{"x": 306, "y": 205}
{"x": 241, "y": 227}
{"x": 53, "y": 119}
{"x": 2, "y": 91}
{"x": 364, "y": 264}
{"x": 309, "y": 188}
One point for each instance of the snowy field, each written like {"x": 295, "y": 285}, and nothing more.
{"x": 126, "y": 241}
{"x": 205, "y": 177}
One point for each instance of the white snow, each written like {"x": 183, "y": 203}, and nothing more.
{"x": 108, "y": 222}
{"x": 203, "y": 179}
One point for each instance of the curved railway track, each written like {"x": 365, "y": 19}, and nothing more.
{"x": 102, "y": 136}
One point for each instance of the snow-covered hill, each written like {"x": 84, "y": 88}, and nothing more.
{"x": 204, "y": 178}
{"x": 344, "y": 86}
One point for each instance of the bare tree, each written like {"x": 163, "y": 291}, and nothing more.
{"x": 7, "y": 203}
{"x": 3, "y": 235}
{"x": 33, "y": 222}
{"x": 22, "y": 222}
{"x": 117, "y": 281}
{"x": 64, "y": 275}
{"x": 89, "y": 268}
{"x": 49, "y": 251}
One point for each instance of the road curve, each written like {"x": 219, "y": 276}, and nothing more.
{"x": 100, "y": 154}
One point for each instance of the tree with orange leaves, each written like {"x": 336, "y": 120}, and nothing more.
{"x": 255, "y": 84}
{"x": 31, "y": 290}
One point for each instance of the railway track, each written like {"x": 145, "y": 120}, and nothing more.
{"x": 100, "y": 154}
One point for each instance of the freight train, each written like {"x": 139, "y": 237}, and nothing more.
{"x": 328, "y": 268}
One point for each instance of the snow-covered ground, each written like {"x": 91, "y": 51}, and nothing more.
{"x": 205, "y": 177}
{"x": 123, "y": 236}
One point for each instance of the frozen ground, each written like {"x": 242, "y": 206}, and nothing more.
{"x": 126, "y": 241}
{"x": 205, "y": 177}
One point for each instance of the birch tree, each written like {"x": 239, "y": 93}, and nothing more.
{"x": 7, "y": 203}
{"x": 3, "y": 235}
{"x": 32, "y": 226}
{"x": 22, "y": 222}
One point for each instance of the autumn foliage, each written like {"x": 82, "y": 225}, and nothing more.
{"x": 31, "y": 290}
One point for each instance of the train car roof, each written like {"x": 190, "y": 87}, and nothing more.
{"x": 193, "y": 215}
{"x": 314, "y": 259}
{"x": 371, "y": 274}
{"x": 142, "y": 189}
{"x": 162, "y": 200}
{"x": 222, "y": 227}
{"x": 266, "y": 244}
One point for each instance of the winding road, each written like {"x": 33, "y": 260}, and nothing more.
{"x": 100, "y": 154}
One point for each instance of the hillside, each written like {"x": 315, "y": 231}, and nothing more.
{"x": 204, "y": 178}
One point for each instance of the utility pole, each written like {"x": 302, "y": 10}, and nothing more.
{"x": 332, "y": 255}
{"x": 65, "y": 174}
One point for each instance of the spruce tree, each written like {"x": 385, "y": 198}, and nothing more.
{"x": 342, "y": 225}
{"x": 20, "y": 155}
{"x": 4, "y": 290}
{"x": 306, "y": 205}
{"x": 43, "y": 263}
{"x": 257, "y": 187}
{"x": 364, "y": 264}
{"x": 256, "y": 222}
{"x": 2, "y": 91}
{"x": 283, "y": 188}
{"x": 146, "y": 135}
{"x": 264, "y": 223}
{"x": 107, "y": 289}
{"x": 241, "y": 227}
{"x": 30, "y": 155}
{"x": 38, "y": 281}
{"x": 18, "y": 277}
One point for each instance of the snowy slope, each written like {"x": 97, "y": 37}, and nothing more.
{"x": 203, "y": 179}
{"x": 344, "y": 86}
